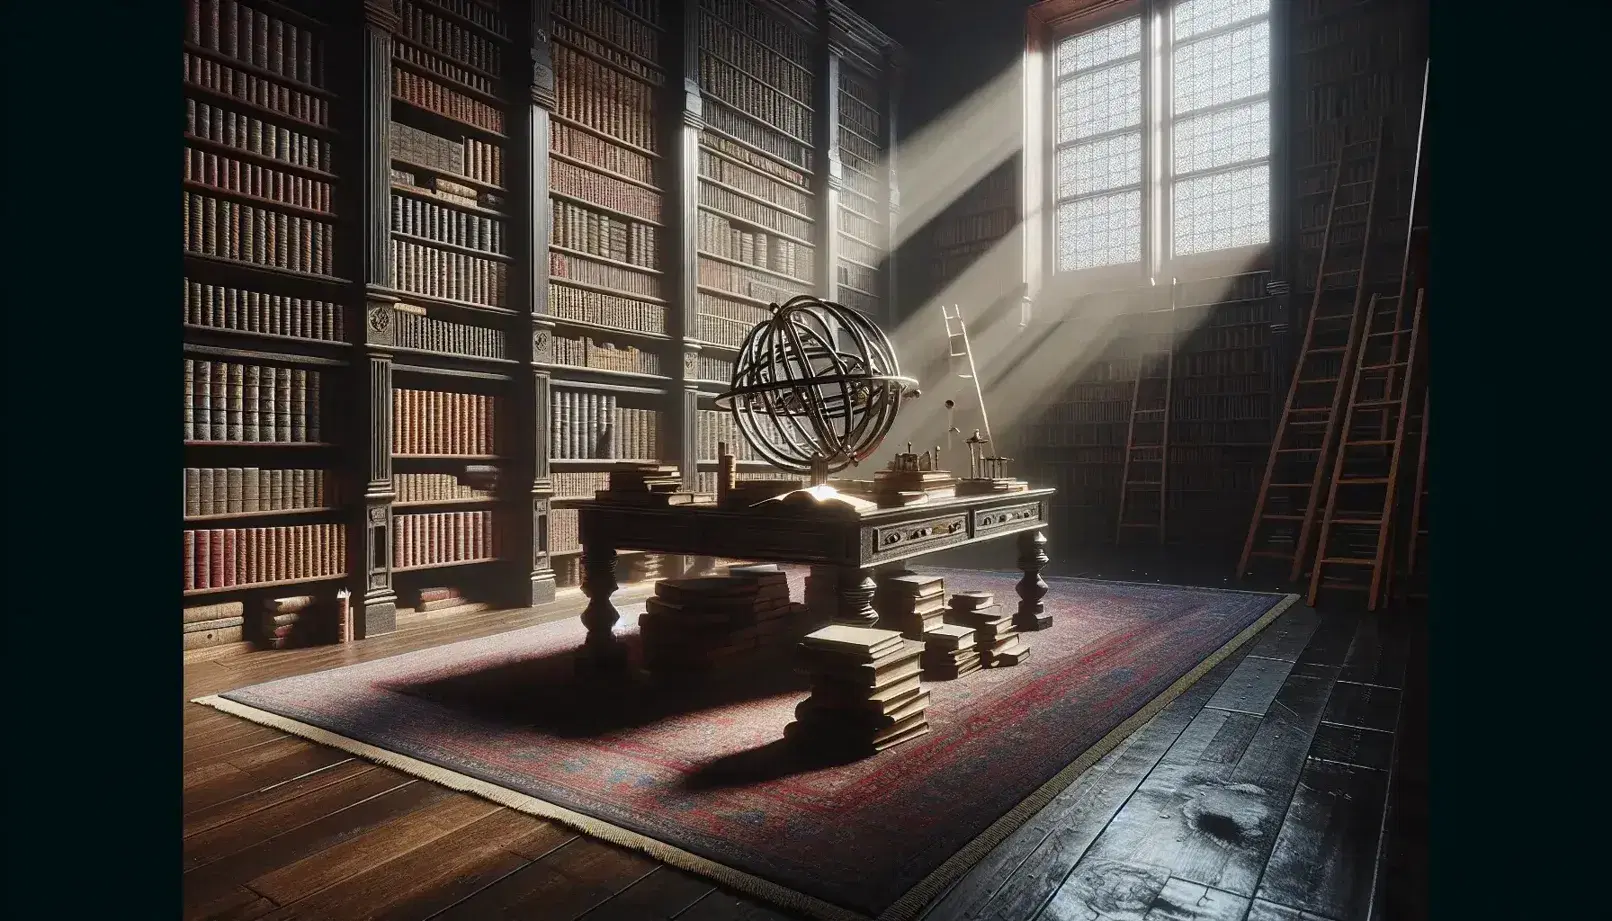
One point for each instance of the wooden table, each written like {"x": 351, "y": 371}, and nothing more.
{"x": 833, "y": 539}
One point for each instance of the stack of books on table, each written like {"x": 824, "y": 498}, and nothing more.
{"x": 910, "y": 603}
{"x": 654, "y": 485}
{"x": 950, "y": 651}
{"x": 699, "y": 624}
{"x": 994, "y": 633}
{"x": 865, "y": 691}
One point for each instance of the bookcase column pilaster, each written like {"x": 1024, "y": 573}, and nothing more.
{"x": 829, "y": 177}
{"x": 531, "y": 188}
{"x": 377, "y": 612}
{"x": 682, "y": 237}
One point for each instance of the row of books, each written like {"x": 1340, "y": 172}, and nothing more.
{"x": 228, "y": 490}
{"x": 232, "y": 175}
{"x": 433, "y": 487}
{"x": 230, "y": 230}
{"x": 447, "y": 225}
{"x": 753, "y": 56}
{"x": 774, "y": 35}
{"x": 625, "y": 24}
{"x": 862, "y": 228}
{"x": 571, "y": 303}
{"x": 256, "y": 136}
{"x": 710, "y": 368}
{"x": 420, "y": 25}
{"x": 777, "y": 110}
{"x": 485, "y": 15}
{"x": 431, "y": 538}
{"x": 1241, "y": 361}
{"x": 1344, "y": 94}
{"x": 227, "y": 307}
{"x": 721, "y": 238}
{"x": 857, "y": 251}
{"x": 748, "y": 158}
{"x": 858, "y": 276}
{"x": 605, "y": 99}
{"x": 1255, "y": 431}
{"x": 256, "y": 38}
{"x": 577, "y": 484}
{"x": 722, "y": 331}
{"x": 1221, "y": 408}
{"x": 588, "y": 425}
{"x": 413, "y": 57}
{"x": 1216, "y": 477}
{"x": 860, "y": 104}
{"x": 777, "y": 190}
{"x": 229, "y": 401}
{"x": 587, "y": 352}
{"x": 586, "y": 271}
{"x": 565, "y": 534}
{"x": 744, "y": 282}
{"x": 1061, "y": 436}
{"x": 746, "y": 130}
{"x": 734, "y": 205}
{"x": 590, "y": 148}
{"x": 605, "y": 191}
{"x": 734, "y": 311}
{"x": 428, "y": 94}
{"x": 968, "y": 230}
{"x": 444, "y": 422}
{"x": 578, "y": 228}
{"x": 240, "y": 557}
{"x": 432, "y": 272}
{"x": 565, "y": 34}
{"x": 474, "y": 159}
{"x": 713, "y": 427}
{"x": 705, "y": 481}
{"x": 259, "y": 91}
{"x": 416, "y": 330}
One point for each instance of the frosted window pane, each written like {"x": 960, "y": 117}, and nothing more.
{"x": 1222, "y": 68}
{"x": 1098, "y": 166}
{"x": 1222, "y": 137}
{"x": 1223, "y": 210}
{"x": 1101, "y": 101}
{"x": 1106, "y": 230}
{"x": 1195, "y": 17}
{"x": 1110, "y": 43}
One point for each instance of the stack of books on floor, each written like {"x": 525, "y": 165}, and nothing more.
{"x": 910, "y": 603}
{"x": 656, "y": 485}
{"x": 865, "y": 691}
{"x": 642, "y": 567}
{"x": 994, "y": 633}
{"x": 699, "y": 624}
{"x": 291, "y": 622}
{"x": 214, "y": 624}
{"x": 950, "y": 651}
{"x": 439, "y": 597}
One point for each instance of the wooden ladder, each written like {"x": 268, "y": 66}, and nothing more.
{"x": 1290, "y": 490}
{"x": 1418, "y": 530}
{"x": 1147, "y": 437}
{"x": 1360, "y": 501}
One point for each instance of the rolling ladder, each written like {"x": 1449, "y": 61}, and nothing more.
{"x": 1357, "y": 523}
{"x": 1147, "y": 436}
{"x": 1290, "y": 490}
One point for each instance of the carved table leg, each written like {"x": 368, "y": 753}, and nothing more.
{"x": 1032, "y": 614}
{"x": 855, "y": 590}
{"x": 602, "y": 651}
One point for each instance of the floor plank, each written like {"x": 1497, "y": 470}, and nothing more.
{"x": 660, "y": 896}
{"x": 1364, "y": 706}
{"x": 242, "y": 806}
{"x": 725, "y": 906}
{"x": 1379, "y": 652}
{"x": 1325, "y": 858}
{"x": 1106, "y": 890}
{"x": 1018, "y": 876}
{"x": 1252, "y": 687}
{"x": 1287, "y": 637}
{"x": 564, "y": 885}
{"x": 1366, "y": 748}
{"x": 309, "y": 805}
{"x": 1210, "y": 810}
{"x": 259, "y": 767}
{"x": 1269, "y": 911}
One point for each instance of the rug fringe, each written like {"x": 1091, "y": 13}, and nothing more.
{"x": 905, "y": 908}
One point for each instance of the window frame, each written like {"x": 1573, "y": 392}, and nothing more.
{"x": 1048, "y": 24}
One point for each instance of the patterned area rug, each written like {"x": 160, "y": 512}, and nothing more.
{"x": 699, "y": 776}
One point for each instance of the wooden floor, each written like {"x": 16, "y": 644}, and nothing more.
{"x": 1261, "y": 794}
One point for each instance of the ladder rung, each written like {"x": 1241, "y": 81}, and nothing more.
{"x": 1392, "y": 364}
{"x": 1144, "y": 483}
{"x": 1357, "y": 521}
{"x": 1370, "y": 403}
{"x": 1374, "y": 441}
{"x": 1140, "y": 412}
{"x": 1396, "y": 332}
{"x": 1329, "y": 350}
{"x": 1320, "y": 380}
{"x": 1363, "y": 481}
{"x": 1311, "y": 409}
{"x": 1283, "y": 517}
{"x": 1297, "y": 450}
{"x": 1348, "y": 561}
{"x": 1290, "y": 485}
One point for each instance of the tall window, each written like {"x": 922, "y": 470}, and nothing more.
{"x": 1161, "y": 135}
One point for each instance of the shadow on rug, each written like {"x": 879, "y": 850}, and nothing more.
{"x": 697, "y": 775}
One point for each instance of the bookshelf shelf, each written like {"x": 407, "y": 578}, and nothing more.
{"x": 278, "y": 513}
{"x": 603, "y": 135}
{"x": 294, "y": 358}
{"x": 446, "y": 565}
{"x": 250, "y": 106}
{"x": 401, "y": 38}
{"x": 758, "y": 151}
{"x": 604, "y": 289}
{"x": 435, "y": 371}
{"x": 449, "y": 174}
{"x": 579, "y": 43}
{"x": 289, "y": 342}
{"x": 256, "y": 268}
{"x": 242, "y": 153}
{"x": 252, "y": 586}
{"x": 446, "y": 202}
{"x": 276, "y": 204}
{"x": 433, "y": 503}
{"x": 263, "y": 73}
{"x": 412, "y": 297}
{"x": 604, "y": 373}
{"x": 259, "y": 444}
{"x": 613, "y": 330}
{"x": 453, "y": 247}
{"x": 444, "y": 11}
{"x": 425, "y": 70}
{"x": 445, "y": 120}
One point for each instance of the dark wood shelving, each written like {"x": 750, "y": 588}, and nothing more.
{"x": 277, "y": 513}
{"x": 247, "y": 104}
{"x": 271, "y": 162}
{"x": 456, "y": 124}
{"x": 262, "y": 73}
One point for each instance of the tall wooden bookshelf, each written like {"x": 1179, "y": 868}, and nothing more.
{"x": 426, "y": 234}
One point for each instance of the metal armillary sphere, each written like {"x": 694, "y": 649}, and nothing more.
{"x": 816, "y": 387}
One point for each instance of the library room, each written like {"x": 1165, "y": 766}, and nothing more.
{"x": 805, "y": 460}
